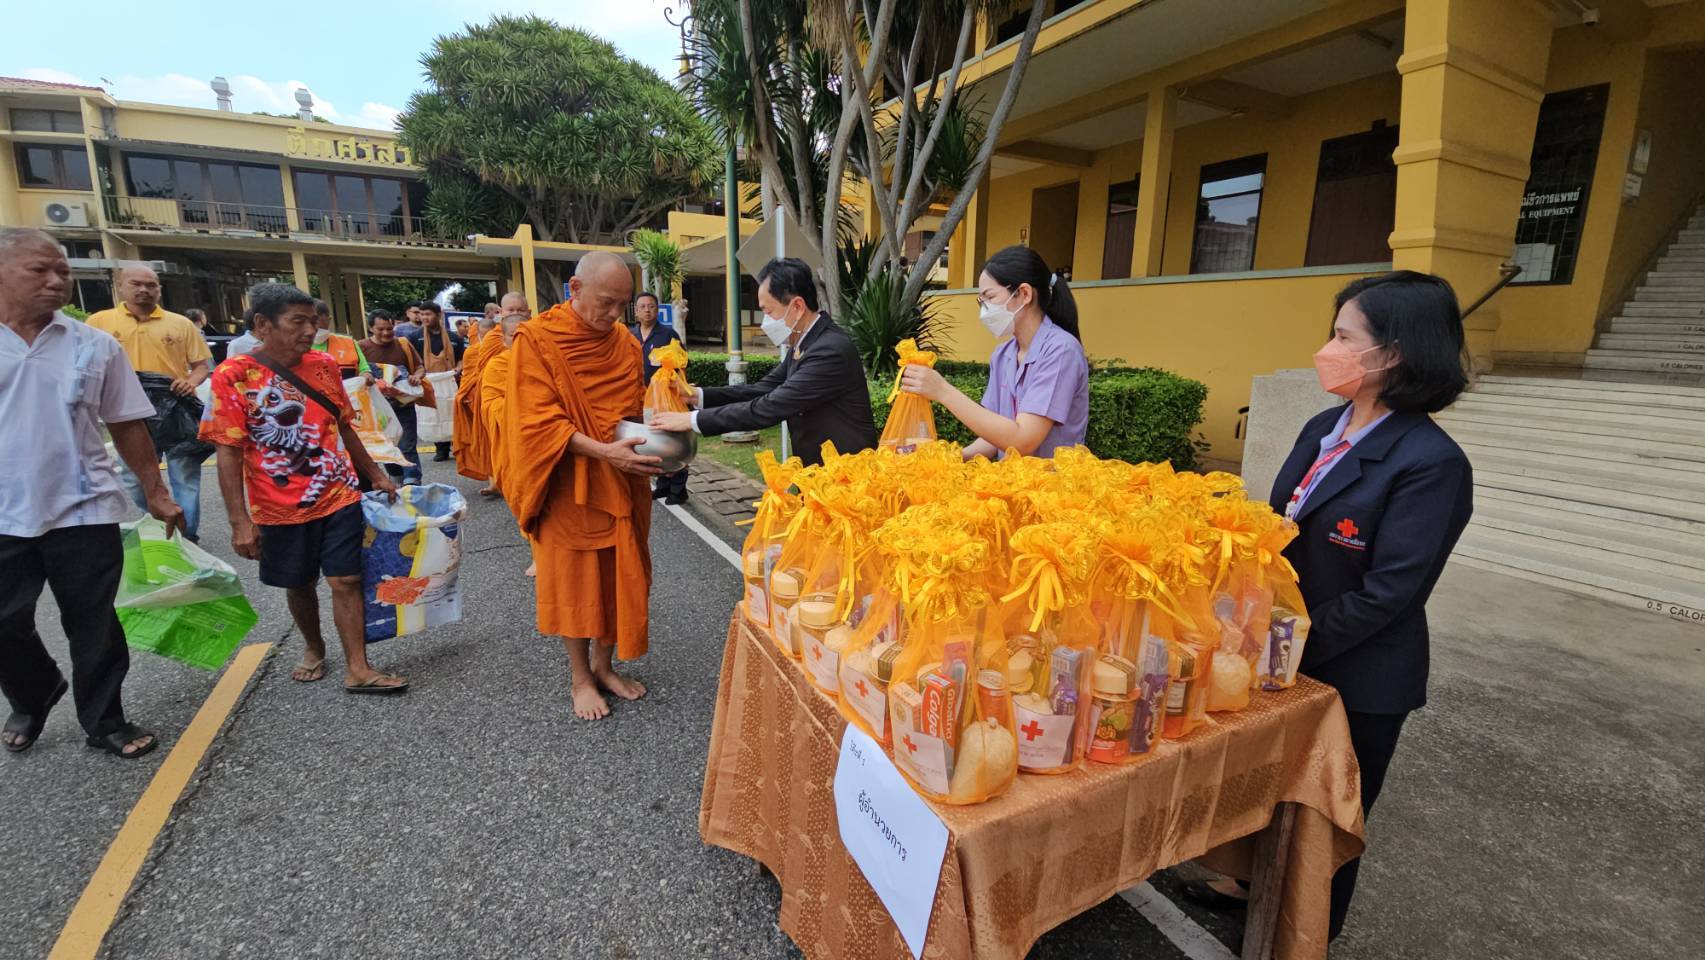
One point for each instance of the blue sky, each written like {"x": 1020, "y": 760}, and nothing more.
{"x": 359, "y": 58}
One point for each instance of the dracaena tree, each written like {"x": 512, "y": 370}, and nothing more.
{"x": 525, "y": 121}
{"x": 819, "y": 89}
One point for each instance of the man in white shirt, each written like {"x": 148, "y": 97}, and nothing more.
{"x": 61, "y": 498}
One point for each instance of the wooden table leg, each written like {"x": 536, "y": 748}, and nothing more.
{"x": 1267, "y": 882}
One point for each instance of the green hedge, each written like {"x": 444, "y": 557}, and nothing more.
{"x": 1136, "y": 414}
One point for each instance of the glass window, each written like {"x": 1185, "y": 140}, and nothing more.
{"x": 149, "y": 176}
{"x": 53, "y": 166}
{"x": 263, "y": 198}
{"x": 1228, "y": 211}
{"x": 416, "y": 206}
{"x": 1554, "y": 206}
{"x": 48, "y": 121}
{"x": 388, "y": 206}
{"x": 314, "y": 200}
{"x": 352, "y": 206}
{"x": 1355, "y": 200}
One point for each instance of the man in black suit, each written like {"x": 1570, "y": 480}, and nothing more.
{"x": 819, "y": 387}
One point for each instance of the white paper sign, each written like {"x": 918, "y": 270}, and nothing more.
{"x": 893, "y": 836}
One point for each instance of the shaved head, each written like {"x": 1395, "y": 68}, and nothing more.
{"x": 601, "y": 289}
{"x": 138, "y": 286}
{"x": 513, "y": 301}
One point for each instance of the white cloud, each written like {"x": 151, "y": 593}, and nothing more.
{"x": 248, "y": 93}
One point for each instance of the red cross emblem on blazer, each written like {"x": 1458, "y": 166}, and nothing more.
{"x": 1347, "y": 528}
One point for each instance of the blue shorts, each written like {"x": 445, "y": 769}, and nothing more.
{"x": 294, "y": 555}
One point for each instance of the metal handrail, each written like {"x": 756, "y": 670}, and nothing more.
{"x": 166, "y": 213}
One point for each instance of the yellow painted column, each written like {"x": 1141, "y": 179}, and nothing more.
{"x": 1154, "y": 183}
{"x": 299, "y": 267}
{"x": 1091, "y": 240}
{"x": 967, "y": 249}
{"x": 288, "y": 179}
{"x": 355, "y": 305}
{"x": 1473, "y": 78}
{"x": 529, "y": 273}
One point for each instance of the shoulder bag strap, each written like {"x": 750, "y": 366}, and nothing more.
{"x": 284, "y": 372}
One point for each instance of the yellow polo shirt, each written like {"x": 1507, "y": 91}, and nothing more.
{"x": 165, "y": 343}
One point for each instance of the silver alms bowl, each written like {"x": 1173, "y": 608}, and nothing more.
{"x": 676, "y": 449}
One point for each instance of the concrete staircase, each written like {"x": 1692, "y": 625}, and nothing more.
{"x": 1598, "y": 487}
{"x": 1659, "y": 335}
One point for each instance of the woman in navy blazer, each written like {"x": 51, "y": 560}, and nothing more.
{"x": 1380, "y": 495}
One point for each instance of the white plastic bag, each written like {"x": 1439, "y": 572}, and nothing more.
{"x": 375, "y": 421}
{"x": 436, "y": 423}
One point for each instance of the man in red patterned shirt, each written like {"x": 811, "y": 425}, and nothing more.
{"x": 283, "y": 426}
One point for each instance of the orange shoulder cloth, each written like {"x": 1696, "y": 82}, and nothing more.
{"x": 567, "y": 378}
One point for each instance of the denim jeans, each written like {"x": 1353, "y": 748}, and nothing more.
{"x": 410, "y": 443}
{"x": 183, "y": 476}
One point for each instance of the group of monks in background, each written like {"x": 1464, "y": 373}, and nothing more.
{"x": 535, "y": 418}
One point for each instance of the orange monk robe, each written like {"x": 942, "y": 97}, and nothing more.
{"x": 590, "y": 523}
{"x": 494, "y": 390}
{"x": 467, "y": 440}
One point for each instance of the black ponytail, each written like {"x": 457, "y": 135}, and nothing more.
{"x": 1020, "y": 264}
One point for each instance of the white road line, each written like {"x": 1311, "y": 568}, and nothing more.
{"x": 704, "y": 533}
{"x": 1173, "y": 923}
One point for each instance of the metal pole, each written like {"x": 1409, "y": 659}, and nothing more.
{"x": 781, "y": 251}
{"x": 731, "y": 248}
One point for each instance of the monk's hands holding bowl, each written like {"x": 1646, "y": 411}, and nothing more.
{"x": 621, "y": 455}
{"x": 671, "y": 422}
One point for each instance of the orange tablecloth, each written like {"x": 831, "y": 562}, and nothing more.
{"x": 1047, "y": 849}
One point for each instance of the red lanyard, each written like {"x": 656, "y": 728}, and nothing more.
{"x": 1327, "y": 458}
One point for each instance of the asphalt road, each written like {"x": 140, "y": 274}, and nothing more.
{"x": 1544, "y": 805}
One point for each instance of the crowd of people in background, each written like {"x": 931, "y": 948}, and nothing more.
{"x": 1379, "y": 492}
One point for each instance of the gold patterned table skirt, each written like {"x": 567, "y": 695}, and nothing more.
{"x": 1050, "y": 847}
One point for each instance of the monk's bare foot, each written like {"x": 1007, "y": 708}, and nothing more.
{"x": 490, "y": 492}
{"x": 588, "y": 702}
{"x": 532, "y": 569}
{"x": 619, "y": 685}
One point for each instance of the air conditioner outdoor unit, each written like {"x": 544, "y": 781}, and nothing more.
{"x": 65, "y": 214}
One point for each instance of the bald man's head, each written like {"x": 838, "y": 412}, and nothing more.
{"x": 139, "y": 287}
{"x": 601, "y": 289}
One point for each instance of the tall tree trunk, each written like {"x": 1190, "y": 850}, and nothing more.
{"x": 956, "y": 212}
{"x": 850, "y": 114}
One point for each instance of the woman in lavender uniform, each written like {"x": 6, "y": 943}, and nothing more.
{"x": 1038, "y": 395}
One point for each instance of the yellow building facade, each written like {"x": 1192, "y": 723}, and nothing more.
{"x": 217, "y": 199}
{"x": 1213, "y": 171}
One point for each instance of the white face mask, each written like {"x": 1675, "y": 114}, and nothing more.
{"x": 777, "y": 329}
{"x": 998, "y": 318}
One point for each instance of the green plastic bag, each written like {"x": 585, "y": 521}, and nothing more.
{"x": 179, "y": 601}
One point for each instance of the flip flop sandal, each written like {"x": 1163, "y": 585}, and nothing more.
{"x": 1210, "y": 896}
{"x": 115, "y": 742}
{"x": 31, "y": 724}
{"x": 372, "y": 686}
{"x": 316, "y": 672}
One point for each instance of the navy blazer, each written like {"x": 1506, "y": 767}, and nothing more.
{"x": 1374, "y": 537}
{"x": 819, "y": 389}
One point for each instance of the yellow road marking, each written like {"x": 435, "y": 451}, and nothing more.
{"x": 96, "y": 909}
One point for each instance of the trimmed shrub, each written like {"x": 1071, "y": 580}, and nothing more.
{"x": 711, "y": 369}
{"x": 1136, "y": 414}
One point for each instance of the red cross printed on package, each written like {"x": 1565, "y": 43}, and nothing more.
{"x": 1031, "y": 730}
{"x": 1347, "y": 528}
{"x": 910, "y": 746}
{"x": 816, "y": 653}
{"x": 863, "y": 691}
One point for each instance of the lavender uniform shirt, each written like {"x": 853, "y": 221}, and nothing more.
{"x": 1052, "y": 381}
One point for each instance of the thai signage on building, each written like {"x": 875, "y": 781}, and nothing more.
{"x": 298, "y": 142}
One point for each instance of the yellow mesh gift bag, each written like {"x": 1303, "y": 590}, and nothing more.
{"x": 666, "y": 393}
{"x": 949, "y": 708}
{"x": 911, "y": 421}
{"x": 1287, "y": 621}
{"x": 763, "y": 546}
{"x": 1051, "y": 639}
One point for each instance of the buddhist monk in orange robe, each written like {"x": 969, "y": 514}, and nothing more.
{"x": 467, "y": 440}
{"x": 580, "y": 496}
{"x": 494, "y": 384}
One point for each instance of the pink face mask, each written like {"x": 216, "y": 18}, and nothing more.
{"x": 1340, "y": 368}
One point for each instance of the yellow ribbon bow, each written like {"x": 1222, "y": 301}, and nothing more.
{"x": 908, "y": 352}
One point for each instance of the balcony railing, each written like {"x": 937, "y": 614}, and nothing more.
{"x": 155, "y": 213}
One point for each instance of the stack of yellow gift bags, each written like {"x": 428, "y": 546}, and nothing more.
{"x": 984, "y": 618}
